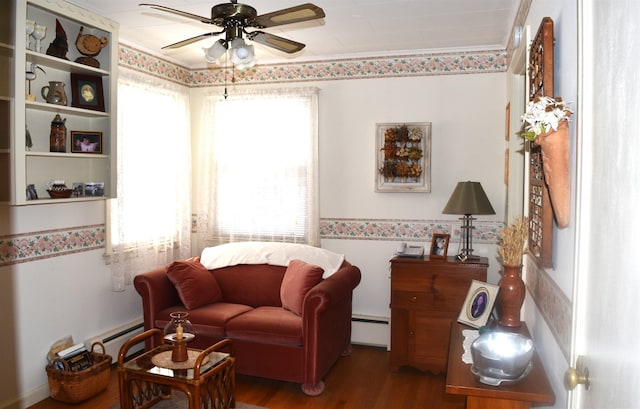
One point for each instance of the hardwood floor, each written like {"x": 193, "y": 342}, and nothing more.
{"x": 359, "y": 381}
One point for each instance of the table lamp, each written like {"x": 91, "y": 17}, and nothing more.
{"x": 468, "y": 198}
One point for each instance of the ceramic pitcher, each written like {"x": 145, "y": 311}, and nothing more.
{"x": 54, "y": 93}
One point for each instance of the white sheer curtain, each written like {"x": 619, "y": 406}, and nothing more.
{"x": 257, "y": 167}
{"x": 149, "y": 222}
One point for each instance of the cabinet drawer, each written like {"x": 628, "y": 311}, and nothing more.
{"x": 434, "y": 291}
{"x": 412, "y": 299}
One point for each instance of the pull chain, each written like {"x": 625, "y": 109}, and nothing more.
{"x": 226, "y": 94}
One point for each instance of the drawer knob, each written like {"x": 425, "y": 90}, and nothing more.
{"x": 414, "y": 299}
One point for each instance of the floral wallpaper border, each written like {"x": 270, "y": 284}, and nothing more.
{"x": 351, "y": 68}
{"x": 405, "y": 230}
{"x": 387, "y": 229}
{"x": 555, "y": 307}
{"x": 32, "y": 246}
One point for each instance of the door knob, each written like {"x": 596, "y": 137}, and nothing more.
{"x": 578, "y": 375}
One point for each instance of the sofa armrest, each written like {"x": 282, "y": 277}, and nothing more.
{"x": 157, "y": 293}
{"x": 326, "y": 321}
{"x": 338, "y": 286}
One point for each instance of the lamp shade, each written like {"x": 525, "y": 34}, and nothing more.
{"x": 468, "y": 198}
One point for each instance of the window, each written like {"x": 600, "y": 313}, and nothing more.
{"x": 257, "y": 167}
{"x": 149, "y": 222}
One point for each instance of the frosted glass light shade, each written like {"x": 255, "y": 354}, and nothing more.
{"x": 242, "y": 55}
{"x": 215, "y": 52}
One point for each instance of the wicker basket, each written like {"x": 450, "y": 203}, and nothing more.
{"x": 73, "y": 387}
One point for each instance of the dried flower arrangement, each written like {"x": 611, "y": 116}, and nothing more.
{"x": 402, "y": 152}
{"x": 543, "y": 114}
{"x": 513, "y": 237}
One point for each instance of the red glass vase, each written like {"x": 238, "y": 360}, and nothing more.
{"x": 511, "y": 297}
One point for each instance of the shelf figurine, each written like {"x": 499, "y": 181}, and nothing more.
{"x": 31, "y": 75}
{"x": 59, "y": 46}
{"x": 89, "y": 46}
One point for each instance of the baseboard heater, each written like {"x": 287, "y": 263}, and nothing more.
{"x": 115, "y": 338}
{"x": 370, "y": 330}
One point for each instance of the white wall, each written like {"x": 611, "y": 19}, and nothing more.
{"x": 53, "y": 297}
{"x": 467, "y": 116}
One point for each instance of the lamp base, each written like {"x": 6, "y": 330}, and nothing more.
{"x": 467, "y": 257}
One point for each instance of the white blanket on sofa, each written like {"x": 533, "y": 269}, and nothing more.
{"x": 278, "y": 254}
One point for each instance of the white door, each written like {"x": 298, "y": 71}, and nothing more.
{"x": 606, "y": 299}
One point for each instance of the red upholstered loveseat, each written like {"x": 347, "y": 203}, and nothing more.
{"x": 270, "y": 341}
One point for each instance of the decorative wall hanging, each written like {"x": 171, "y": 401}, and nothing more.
{"x": 403, "y": 157}
{"x": 547, "y": 125}
{"x": 507, "y": 128}
{"x": 540, "y": 210}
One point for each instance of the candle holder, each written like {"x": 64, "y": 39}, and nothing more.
{"x": 179, "y": 331}
{"x": 179, "y": 351}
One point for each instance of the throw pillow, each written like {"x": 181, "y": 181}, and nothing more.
{"x": 298, "y": 279}
{"x": 194, "y": 283}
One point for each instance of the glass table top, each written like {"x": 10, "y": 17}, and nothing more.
{"x": 145, "y": 364}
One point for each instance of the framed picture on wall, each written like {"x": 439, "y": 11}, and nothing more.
{"x": 403, "y": 157}
{"x": 478, "y": 305}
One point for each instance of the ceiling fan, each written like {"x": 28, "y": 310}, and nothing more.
{"x": 234, "y": 18}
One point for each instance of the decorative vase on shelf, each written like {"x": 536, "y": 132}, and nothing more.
{"x": 58, "y": 135}
{"x": 510, "y": 296}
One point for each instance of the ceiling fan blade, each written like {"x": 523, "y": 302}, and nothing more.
{"x": 296, "y": 14}
{"x": 191, "y": 40}
{"x": 178, "y": 12}
{"x": 279, "y": 43}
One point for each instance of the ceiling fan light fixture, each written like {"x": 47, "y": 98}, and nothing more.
{"x": 242, "y": 55}
{"x": 215, "y": 52}
{"x": 234, "y": 18}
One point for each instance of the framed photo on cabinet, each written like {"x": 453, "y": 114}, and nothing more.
{"x": 403, "y": 157}
{"x": 478, "y": 305}
{"x": 439, "y": 246}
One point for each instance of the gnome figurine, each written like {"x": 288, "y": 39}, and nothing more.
{"x": 59, "y": 46}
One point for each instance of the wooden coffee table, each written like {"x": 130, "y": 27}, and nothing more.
{"x": 208, "y": 377}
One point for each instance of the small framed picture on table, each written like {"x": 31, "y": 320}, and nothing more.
{"x": 478, "y": 305}
{"x": 439, "y": 246}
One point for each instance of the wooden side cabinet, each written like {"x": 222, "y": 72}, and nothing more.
{"x": 426, "y": 297}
